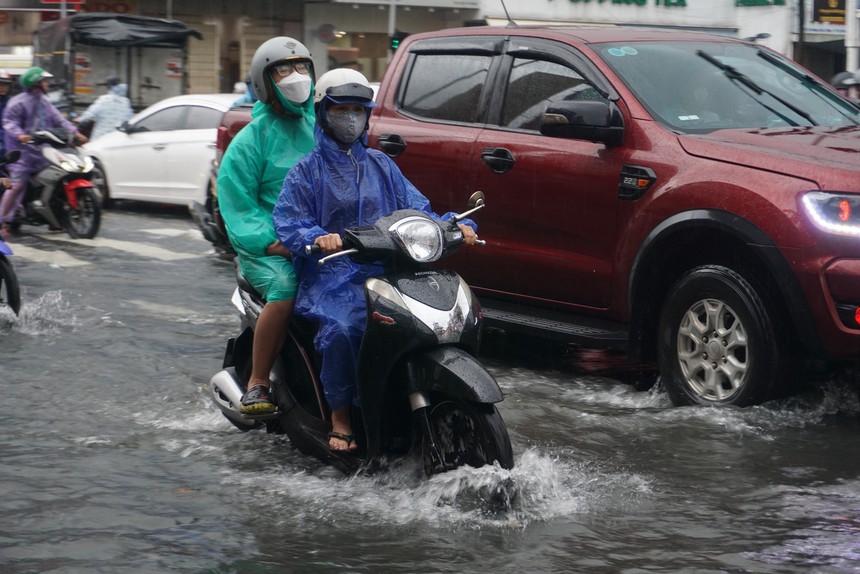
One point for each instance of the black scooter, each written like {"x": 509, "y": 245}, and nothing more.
{"x": 422, "y": 392}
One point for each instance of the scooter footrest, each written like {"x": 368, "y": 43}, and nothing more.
{"x": 262, "y": 417}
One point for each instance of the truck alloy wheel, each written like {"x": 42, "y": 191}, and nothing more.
{"x": 717, "y": 343}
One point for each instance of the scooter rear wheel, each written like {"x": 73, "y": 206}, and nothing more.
{"x": 10, "y": 291}
{"x": 466, "y": 433}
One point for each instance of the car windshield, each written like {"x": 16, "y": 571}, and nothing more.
{"x": 697, "y": 87}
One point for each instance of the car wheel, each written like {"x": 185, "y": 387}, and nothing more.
{"x": 99, "y": 181}
{"x": 717, "y": 342}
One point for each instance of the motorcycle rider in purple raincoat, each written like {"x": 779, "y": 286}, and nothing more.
{"x": 25, "y": 113}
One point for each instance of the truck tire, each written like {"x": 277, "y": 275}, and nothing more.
{"x": 717, "y": 342}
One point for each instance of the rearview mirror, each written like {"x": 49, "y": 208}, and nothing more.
{"x": 593, "y": 121}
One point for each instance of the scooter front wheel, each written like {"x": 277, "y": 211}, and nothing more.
{"x": 84, "y": 221}
{"x": 465, "y": 433}
{"x": 10, "y": 291}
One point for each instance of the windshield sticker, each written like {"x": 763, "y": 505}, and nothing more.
{"x": 625, "y": 51}
{"x": 692, "y": 118}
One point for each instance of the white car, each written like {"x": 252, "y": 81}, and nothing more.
{"x": 163, "y": 154}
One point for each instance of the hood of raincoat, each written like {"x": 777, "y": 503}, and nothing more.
{"x": 119, "y": 90}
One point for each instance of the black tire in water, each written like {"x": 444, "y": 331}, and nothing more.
{"x": 84, "y": 222}
{"x": 99, "y": 181}
{"x": 10, "y": 291}
{"x": 719, "y": 343}
{"x": 467, "y": 433}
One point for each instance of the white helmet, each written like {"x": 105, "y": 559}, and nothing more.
{"x": 344, "y": 85}
{"x": 273, "y": 52}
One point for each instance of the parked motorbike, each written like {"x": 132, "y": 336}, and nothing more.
{"x": 421, "y": 390}
{"x": 61, "y": 195}
{"x": 208, "y": 218}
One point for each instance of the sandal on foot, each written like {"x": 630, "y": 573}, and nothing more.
{"x": 347, "y": 438}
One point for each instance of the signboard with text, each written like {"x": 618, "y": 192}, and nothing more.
{"x": 41, "y": 5}
{"x": 829, "y": 12}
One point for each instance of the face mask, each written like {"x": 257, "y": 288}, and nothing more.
{"x": 296, "y": 87}
{"x": 347, "y": 126}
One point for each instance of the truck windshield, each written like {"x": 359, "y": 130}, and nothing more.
{"x": 697, "y": 87}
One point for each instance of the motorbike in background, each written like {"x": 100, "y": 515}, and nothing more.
{"x": 421, "y": 389}
{"x": 61, "y": 195}
{"x": 10, "y": 290}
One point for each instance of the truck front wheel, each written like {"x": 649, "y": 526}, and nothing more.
{"x": 717, "y": 342}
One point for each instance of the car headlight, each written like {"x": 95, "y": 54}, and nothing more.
{"x": 421, "y": 238}
{"x": 834, "y": 212}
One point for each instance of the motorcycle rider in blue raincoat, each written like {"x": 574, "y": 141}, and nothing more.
{"x": 249, "y": 180}
{"x": 340, "y": 184}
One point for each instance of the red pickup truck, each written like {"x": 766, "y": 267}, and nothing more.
{"x": 693, "y": 199}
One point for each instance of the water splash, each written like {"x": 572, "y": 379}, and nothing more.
{"x": 539, "y": 488}
{"x": 50, "y": 314}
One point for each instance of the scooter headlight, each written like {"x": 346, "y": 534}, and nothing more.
{"x": 419, "y": 237}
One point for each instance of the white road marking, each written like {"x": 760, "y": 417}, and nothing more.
{"x": 60, "y": 258}
{"x": 167, "y": 232}
{"x": 133, "y": 247}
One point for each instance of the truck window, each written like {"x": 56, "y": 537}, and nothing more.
{"x": 533, "y": 84}
{"x": 446, "y": 86}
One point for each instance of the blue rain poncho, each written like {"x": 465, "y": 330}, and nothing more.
{"x": 328, "y": 191}
{"x": 249, "y": 181}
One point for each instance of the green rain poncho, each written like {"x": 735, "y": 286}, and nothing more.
{"x": 250, "y": 178}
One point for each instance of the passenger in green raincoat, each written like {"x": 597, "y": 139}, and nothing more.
{"x": 250, "y": 178}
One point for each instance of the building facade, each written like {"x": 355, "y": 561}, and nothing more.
{"x": 357, "y": 33}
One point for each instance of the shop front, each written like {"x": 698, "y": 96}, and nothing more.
{"x": 359, "y": 33}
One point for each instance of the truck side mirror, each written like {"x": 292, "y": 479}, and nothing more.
{"x": 590, "y": 120}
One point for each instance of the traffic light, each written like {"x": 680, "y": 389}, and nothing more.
{"x": 396, "y": 38}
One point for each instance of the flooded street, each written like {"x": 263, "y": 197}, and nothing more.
{"x": 114, "y": 459}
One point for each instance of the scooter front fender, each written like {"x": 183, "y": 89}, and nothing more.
{"x": 454, "y": 372}
{"x": 71, "y": 188}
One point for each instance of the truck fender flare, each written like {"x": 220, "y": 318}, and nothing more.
{"x": 756, "y": 240}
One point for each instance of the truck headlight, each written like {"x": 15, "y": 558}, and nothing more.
{"x": 420, "y": 237}
{"x": 834, "y": 212}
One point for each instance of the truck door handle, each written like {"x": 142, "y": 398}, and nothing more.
{"x": 392, "y": 144}
{"x": 159, "y": 147}
{"x": 499, "y": 159}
